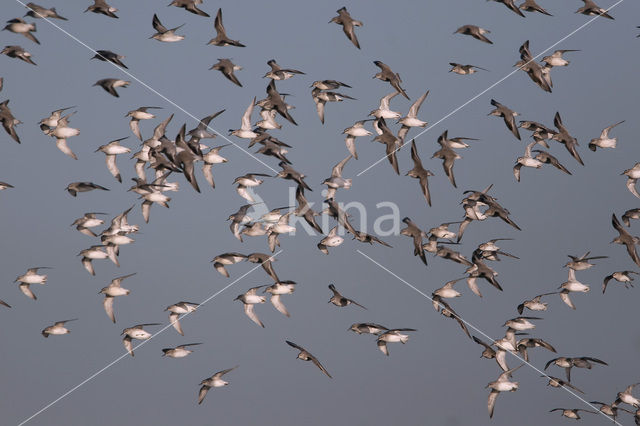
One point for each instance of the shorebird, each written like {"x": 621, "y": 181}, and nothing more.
{"x": 189, "y": 6}
{"x": 390, "y": 141}
{"x": 245, "y": 132}
{"x": 111, "y": 84}
{"x": 368, "y": 328}
{"x": 411, "y": 120}
{"x": 448, "y": 156}
{"x": 572, "y": 413}
{"x": 214, "y": 381}
{"x": 31, "y": 277}
{"x": 383, "y": 110}
{"x": 630, "y": 214}
{"x": 592, "y": 9}
{"x": 328, "y": 84}
{"x": 545, "y": 157}
{"x": 465, "y": 69}
{"x": 226, "y": 67}
{"x": 109, "y": 56}
{"x": 502, "y": 384}
{"x": 88, "y": 255}
{"x": 339, "y": 300}
{"x": 556, "y": 59}
{"x": 620, "y": 276}
{"x": 137, "y": 115}
{"x": 307, "y": 356}
{"x": 265, "y": 260}
{"x": 336, "y": 181}
{"x": 413, "y": 231}
{"x": 626, "y": 239}
{"x": 524, "y": 344}
{"x": 41, "y": 12}
{"x": 537, "y": 73}
{"x": 566, "y": 139}
{"x": 633, "y": 174}
{"x": 532, "y": 6}
{"x": 249, "y": 299}
{"x": 527, "y": 161}
{"x": 163, "y": 34}
{"x": 568, "y": 363}
{"x": 112, "y": 149}
{"x": 386, "y": 74}
{"x": 221, "y": 260}
{"x": 279, "y": 73}
{"x": 604, "y": 141}
{"x": 88, "y": 220}
{"x": 392, "y": 336}
{"x": 581, "y": 263}
{"x": 18, "y": 53}
{"x": 250, "y": 180}
{"x": 61, "y": 132}
{"x": 221, "y": 38}
{"x": 179, "y": 351}
{"x": 508, "y": 116}
{"x": 627, "y": 397}
{"x": 101, "y": 7}
{"x": 57, "y": 328}
{"x": 20, "y": 26}
{"x": 448, "y": 312}
{"x": 357, "y": 130}
{"x": 475, "y": 32}
{"x": 535, "y": 304}
{"x": 176, "y": 310}
{"x": 572, "y": 285}
{"x": 114, "y": 289}
{"x": 304, "y": 210}
{"x": 9, "y": 122}
{"x": 75, "y": 187}
{"x": 290, "y": 173}
{"x": 136, "y": 332}
{"x": 348, "y": 24}
{"x": 555, "y": 382}
{"x": 331, "y": 240}
{"x": 511, "y": 5}
{"x": 419, "y": 172}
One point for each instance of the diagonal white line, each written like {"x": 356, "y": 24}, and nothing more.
{"x": 494, "y": 85}
{"x": 542, "y": 373}
{"x": 151, "y": 89}
{"x": 124, "y": 355}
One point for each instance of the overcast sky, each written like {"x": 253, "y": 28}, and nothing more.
{"x": 438, "y": 376}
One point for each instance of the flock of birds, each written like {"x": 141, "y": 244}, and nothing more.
{"x": 179, "y": 156}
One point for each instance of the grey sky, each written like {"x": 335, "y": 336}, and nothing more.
{"x": 438, "y": 376}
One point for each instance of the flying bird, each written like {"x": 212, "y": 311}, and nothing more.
{"x": 214, "y": 381}
{"x": 221, "y": 38}
{"x": 113, "y": 290}
{"x": 190, "y": 6}
{"x": 226, "y": 67}
{"x": 475, "y": 32}
{"x": 386, "y": 74}
{"x": 163, "y": 34}
{"x": 348, "y": 25}
{"x": 57, "y": 328}
{"x": 307, "y": 356}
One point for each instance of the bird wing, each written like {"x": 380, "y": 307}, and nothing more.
{"x": 249, "y": 311}
{"x": 108, "y": 307}
{"x": 277, "y": 303}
